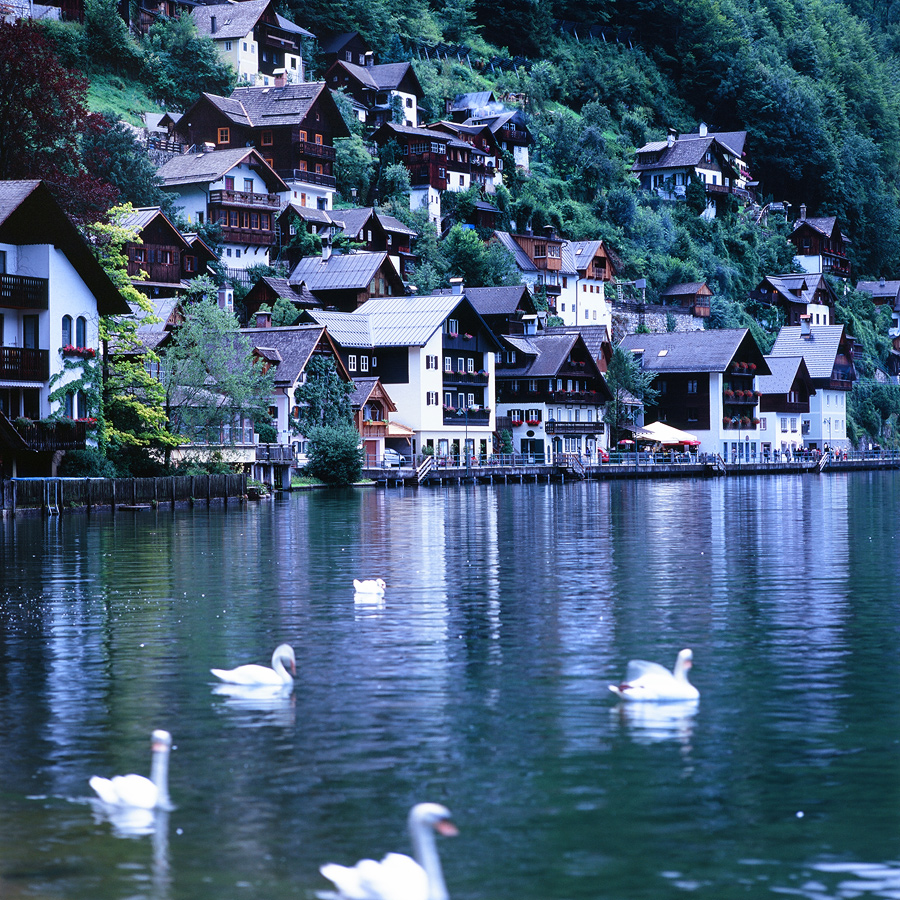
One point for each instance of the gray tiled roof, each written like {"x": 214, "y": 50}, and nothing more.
{"x": 594, "y": 336}
{"x": 384, "y": 77}
{"x": 362, "y": 390}
{"x": 824, "y": 224}
{"x": 206, "y": 167}
{"x": 353, "y": 220}
{"x": 784, "y": 371}
{"x": 295, "y": 344}
{"x": 690, "y": 351}
{"x": 236, "y": 20}
{"x": 341, "y": 271}
{"x": 689, "y": 288}
{"x": 347, "y": 329}
{"x": 582, "y": 252}
{"x": 416, "y": 132}
{"x": 407, "y": 321}
{"x": 389, "y": 223}
{"x": 819, "y": 350}
{"x": 473, "y": 100}
{"x": 493, "y": 301}
{"x": 312, "y": 214}
{"x": 264, "y": 106}
{"x": 522, "y": 259}
{"x": 12, "y": 193}
{"x": 230, "y": 107}
{"x": 733, "y": 140}
{"x": 546, "y": 355}
{"x": 887, "y": 290}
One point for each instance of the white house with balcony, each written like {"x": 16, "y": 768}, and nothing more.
{"x": 236, "y": 188}
{"x": 435, "y": 355}
{"x": 52, "y": 295}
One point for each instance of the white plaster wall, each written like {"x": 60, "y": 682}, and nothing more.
{"x": 411, "y": 113}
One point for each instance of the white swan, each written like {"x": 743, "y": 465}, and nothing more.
{"x": 136, "y": 791}
{"x": 262, "y": 675}
{"x": 397, "y": 876}
{"x": 374, "y": 586}
{"x": 650, "y": 681}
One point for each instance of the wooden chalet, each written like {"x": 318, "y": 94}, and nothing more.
{"x": 798, "y": 295}
{"x": 345, "y": 281}
{"x": 293, "y": 126}
{"x": 348, "y": 46}
{"x": 507, "y": 309}
{"x": 821, "y": 245}
{"x": 692, "y": 295}
{"x": 378, "y": 88}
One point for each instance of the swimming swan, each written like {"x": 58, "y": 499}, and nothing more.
{"x": 136, "y": 791}
{"x": 372, "y": 586}
{"x": 262, "y": 675}
{"x": 650, "y": 681}
{"x": 397, "y": 876}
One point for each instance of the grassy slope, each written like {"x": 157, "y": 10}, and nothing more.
{"x": 121, "y": 96}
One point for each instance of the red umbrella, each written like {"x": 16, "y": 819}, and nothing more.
{"x": 626, "y": 441}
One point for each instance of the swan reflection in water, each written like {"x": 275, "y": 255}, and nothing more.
{"x": 278, "y": 702}
{"x": 131, "y": 822}
{"x": 650, "y": 723}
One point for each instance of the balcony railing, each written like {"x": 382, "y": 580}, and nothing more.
{"x": 21, "y": 364}
{"x": 307, "y": 177}
{"x": 250, "y": 236}
{"x": 373, "y": 429}
{"x": 63, "y": 435}
{"x": 24, "y": 292}
{"x": 552, "y": 427}
{"x": 465, "y": 378}
{"x": 506, "y": 395}
{"x": 276, "y": 453}
{"x": 476, "y": 417}
{"x": 309, "y": 148}
{"x": 244, "y": 199}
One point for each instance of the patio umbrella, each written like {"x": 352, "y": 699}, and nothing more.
{"x": 626, "y": 441}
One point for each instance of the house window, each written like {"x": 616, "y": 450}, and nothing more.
{"x": 30, "y": 332}
{"x": 245, "y": 46}
{"x": 319, "y": 139}
{"x": 227, "y": 45}
{"x": 190, "y": 263}
{"x": 471, "y": 400}
{"x": 351, "y": 362}
{"x": 364, "y": 364}
{"x": 224, "y": 137}
{"x": 448, "y": 364}
{"x": 67, "y": 331}
{"x": 264, "y": 221}
{"x": 229, "y": 182}
{"x": 319, "y": 169}
{"x": 461, "y": 367}
{"x": 692, "y": 414}
{"x": 453, "y": 326}
{"x": 663, "y": 386}
{"x": 69, "y": 406}
{"x": 448, "y": 399}
{"x": 409, "y": 103}
{"x": 248, "y": 185}
{"x": 793, "y": 424}
{"x": 470, "y": 366}
{"x": 80, "y": 332}
{"x": 302, "y": 135}
{"x": 692, "y": 387}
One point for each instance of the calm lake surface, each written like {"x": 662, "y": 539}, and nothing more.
{"x": 481, "y": 683}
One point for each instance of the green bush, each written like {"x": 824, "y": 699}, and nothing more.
{"x": 334, "y": 454}
{"x": 87, "y": 463}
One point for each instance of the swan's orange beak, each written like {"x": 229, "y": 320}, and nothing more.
{"x": 446, "y": 828}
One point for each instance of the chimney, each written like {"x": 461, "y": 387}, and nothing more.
{"x": 212, "y": 24}
{"x": 703, "y": 129}
{"x": 456, "y": 285}
{"x": 550, "y": 232}
{"x": 208, "y": 147}
{"x": 263, "y": 317}
{"x": 802, "y": 211}
{"x": 805, "y": 329}
{"x": 370, "y": 58}
{"x": 280, "y": 78}
{"x": 881, "y": 281}
{"x": 671, "y": 137}
{"x": 326, "y": 249}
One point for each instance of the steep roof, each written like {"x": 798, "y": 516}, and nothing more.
{"x": 237, "y": 20}
{"x": 208, "y": 166}
{"x": 785, "y": 370}
{"x": 733, "y": 140}
{"x": 819, "y": 350}
{"x": 143, "y": 216}
{"x": 295, "y": 344}
{"x": 520, "y": 257}
{"x": 474, "y": 100}
{"x": 501, "y": 300}
{"x": 880, "y": 290}
{"x": 683, "y": 153}
{"x": 688, "y": 289}
{"x": 583, "y": 252}
{"x": 341, "y": 271}
{"x": 261, "y": 107}
{"x": 29, "y": 214}
{"x": 694, "y": 351}
{"x": 297, "y": 294}
{"x": 595, "y": 337}
{"x": 383, "y": 77}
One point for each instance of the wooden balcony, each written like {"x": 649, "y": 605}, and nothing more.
{"x": 168, "y": 273}
{"x": 24, "y": 292}
{"x": 244, "y": 199}
{"x": 21, "y": 364}
{"x": 309, "y": 148}
{"x": 254, "y": 238}
{"x": 61, "y": 435}
{"x": 373, "y": 429}
{"x": 308, "y": 177}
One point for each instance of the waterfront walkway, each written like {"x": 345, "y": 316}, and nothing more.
{"x": 568, "y": 467}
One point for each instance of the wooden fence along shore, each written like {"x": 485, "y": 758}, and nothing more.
{"x": 56, "y": 495}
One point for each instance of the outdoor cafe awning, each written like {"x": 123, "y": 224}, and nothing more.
{"x": 660, "y": 433}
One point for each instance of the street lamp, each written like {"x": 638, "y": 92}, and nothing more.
{"x": 464, "y": 411}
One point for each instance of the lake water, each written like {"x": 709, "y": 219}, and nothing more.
{"x": 481, "y": 683}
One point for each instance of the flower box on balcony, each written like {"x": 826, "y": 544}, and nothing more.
{"x": 84, "y": 352}
{"x": 467, "y": 337}
{"x": 533, "y": 422}
{"x": 729, "y": 393}
{"x": 726, "y": 421}
{"x": 453, "y": 334}
{"x": 516, "y": 422}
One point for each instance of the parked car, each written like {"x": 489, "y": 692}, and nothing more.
{"x": 392, "y": 458}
